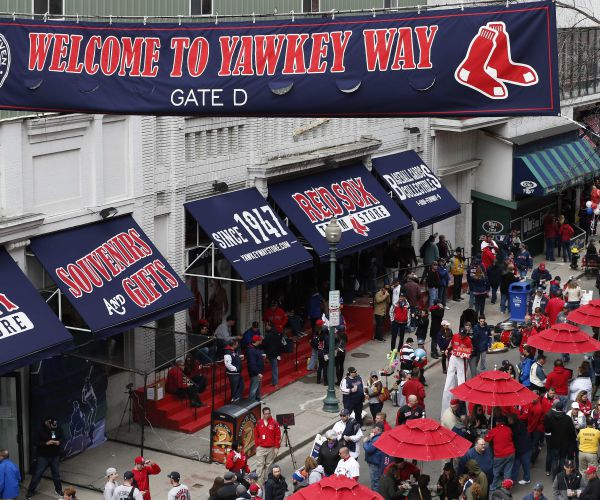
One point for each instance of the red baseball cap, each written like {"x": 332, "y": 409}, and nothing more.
{"x": 202, "y": 323}
{"x": 455, "y": 401}
{"x": 591, "y": 470}
{"x": 319, "y": 322}
{"x": 253, "y": 488}
{"x": 139, "y": 460}
{"x": 507, "y": 483}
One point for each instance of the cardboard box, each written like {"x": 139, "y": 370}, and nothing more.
{"x": 156, "y": 392}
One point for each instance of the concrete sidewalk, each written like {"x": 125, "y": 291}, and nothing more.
{"x": 182, "y": 452}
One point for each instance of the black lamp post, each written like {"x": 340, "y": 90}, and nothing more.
{"x": 333, "y": 234}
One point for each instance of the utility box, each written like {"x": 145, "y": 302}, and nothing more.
{"x": 234, "y": 422}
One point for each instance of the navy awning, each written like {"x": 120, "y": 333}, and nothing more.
{"x": 366, "y": 213}
{"x": 29, "y": 330}
{"x": 416, "y": 187}
{"x": 112, "y": 274}
{"x": 251, "y": 236}
{"x": 552, "y": 169}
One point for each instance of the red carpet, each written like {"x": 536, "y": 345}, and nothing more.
{"x": 175, "y": 413}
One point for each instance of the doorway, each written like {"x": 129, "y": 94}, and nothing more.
{"x": 11, "y": 417}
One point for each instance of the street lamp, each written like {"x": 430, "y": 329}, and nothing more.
{"x": 333, "y": 235}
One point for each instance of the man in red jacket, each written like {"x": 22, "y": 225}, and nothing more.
{"x": 415, "y": 387}
{"x": 141, "y": 470}
{"x": 559, "y": 379}
{"x": 554, "y": 306}
{"x": 504, "y": 452}
{"x": 276, "y": 315}
{"x": 533, "y": 414}
{"x": 268, "y": 439}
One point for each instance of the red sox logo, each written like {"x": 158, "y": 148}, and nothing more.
{"x": 488, "y": 65}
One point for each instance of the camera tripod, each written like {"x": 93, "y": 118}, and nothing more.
{"x": 132, "y": 399}
{"x": 285, "y": 438}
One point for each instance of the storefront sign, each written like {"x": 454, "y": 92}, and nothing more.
{"x": 492, "y": 227}
{"x": 532, "y": 225}
{"x": 251, "y": 236}
{"x": 416, "y": 187}
{"x": 364, "y": 211}
{"x": 112, "y": 274}
{"x": 474, "y": 61}
{"x": 29, "y": 330}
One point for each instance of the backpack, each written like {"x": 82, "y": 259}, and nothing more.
{"x": 314, "y": 342}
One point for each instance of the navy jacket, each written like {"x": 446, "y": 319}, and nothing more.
{"x": 256, "y": 364}
{"x": 481, "y": 338}
{"x": 373, "y": 455}
{"x": 521, "y": 438}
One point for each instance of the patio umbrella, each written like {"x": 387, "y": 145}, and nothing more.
{"x": 586, "y": 315}
{"x": 494, "y": 388}
{"x": 422, "y": 439}
{"x": 564, "y": 337}
{"x": 336, "y": 488}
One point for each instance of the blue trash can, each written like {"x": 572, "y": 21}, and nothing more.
{"x": 518, "y": 296}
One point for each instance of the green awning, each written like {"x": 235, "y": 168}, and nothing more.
{"x": 552, "y": 169}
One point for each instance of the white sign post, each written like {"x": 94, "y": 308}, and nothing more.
{"x": 334, "y": 308}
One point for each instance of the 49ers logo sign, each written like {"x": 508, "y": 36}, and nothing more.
{"x": 397, "y": 64}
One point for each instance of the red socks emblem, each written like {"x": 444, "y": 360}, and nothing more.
{"x": 488, "y": 64}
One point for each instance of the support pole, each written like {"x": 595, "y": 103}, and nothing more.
{"x": 330, "y": 403}
{"x": 143, "y": 424}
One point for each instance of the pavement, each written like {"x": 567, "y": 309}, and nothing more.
{"x": 182, "y": 452}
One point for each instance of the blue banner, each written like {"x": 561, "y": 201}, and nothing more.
{"x": 417, "y": 188}
{"x": 29, "y": 330}
{"x": 365, "y": 212}
{"x": 477, "y": 62}
{"x": 112, "y": 274}
{"x": 251, "y": 236}
{"x": 73, "y": 392}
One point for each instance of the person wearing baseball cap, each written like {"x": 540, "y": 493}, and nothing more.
{"x": 503, "y": 492}
{"x": 127, "y": 490}
{"x": 568, "y": 482}
{"x": 141, "y": 470}
{"x": 353, "y": 394}
{"x": 254, "y": 491}
{"x": 348, "y": 432}
{"x": 537, "y": 493}
{"x": 592, "y": 490}
{"x": 111, "y": 483}
{"x": 178, "y": 490}
{"x": 256, "y": 367}
{"x": 458, "y": 352}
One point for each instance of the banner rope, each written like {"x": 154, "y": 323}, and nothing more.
{"x": 253, "y": 16}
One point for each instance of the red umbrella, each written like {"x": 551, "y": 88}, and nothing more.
{"x": 422, "y": 439}
{"x": 336, "y": 488}
{"x": 494, "y": 388}
{"x": 586, "y": 315}
{"x": 564, "y": 337}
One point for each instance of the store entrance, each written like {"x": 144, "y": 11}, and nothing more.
{"x": 11, "y": 417}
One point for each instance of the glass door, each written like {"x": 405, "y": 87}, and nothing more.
{"x": 11, "y": 421}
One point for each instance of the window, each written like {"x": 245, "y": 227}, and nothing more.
{"x": 53, "y": 7}
{"x": 387, "y": 4}
{"x": 311, "y": 6}
{"x": 201, "y": 7}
